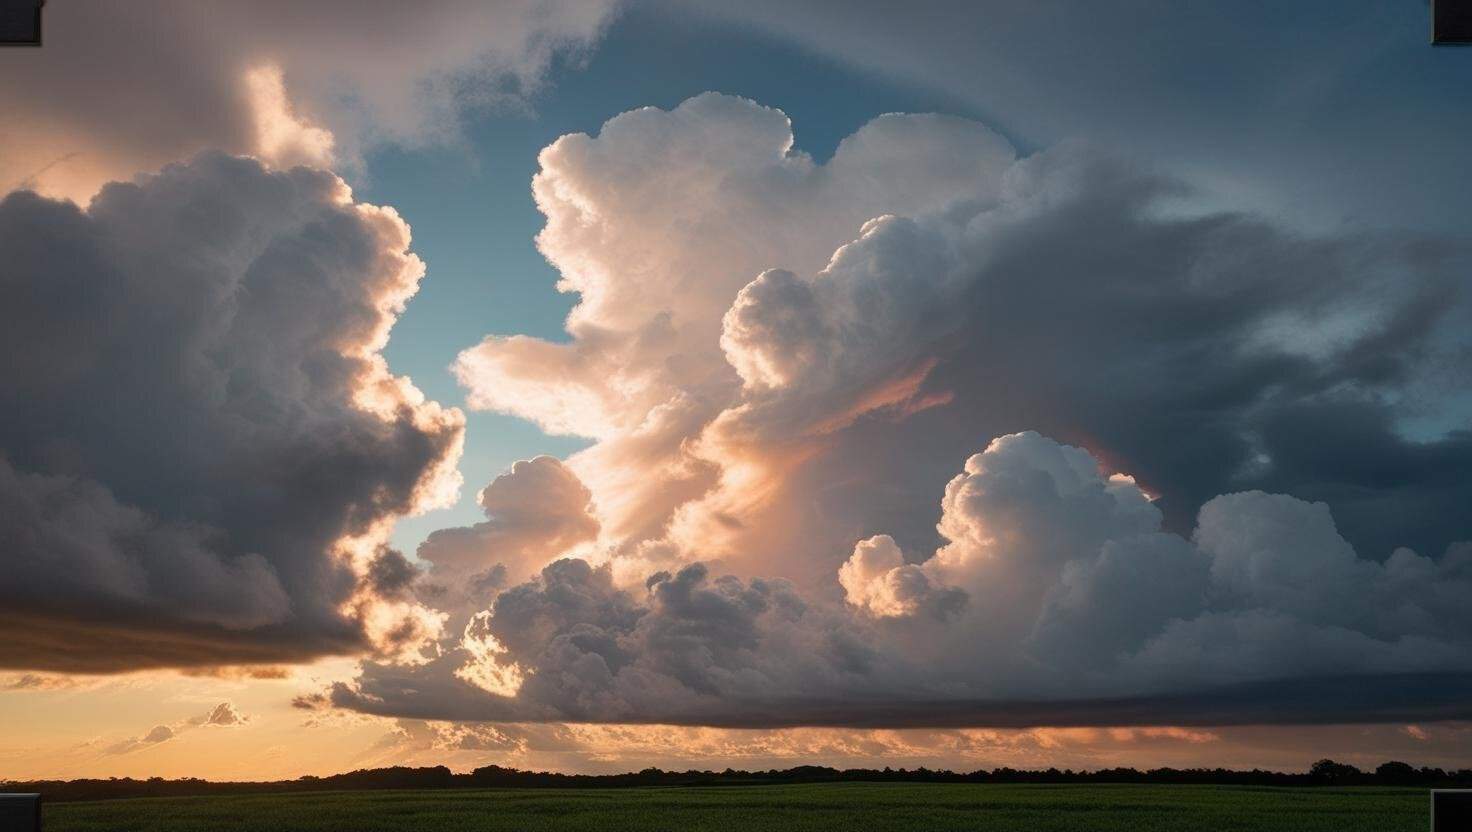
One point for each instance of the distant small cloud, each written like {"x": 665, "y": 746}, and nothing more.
{"x": 223, "y": 715}
{"x": 156, "y": 735}
{"x": 310, "y": 702}
{"x": 37, "y": 681}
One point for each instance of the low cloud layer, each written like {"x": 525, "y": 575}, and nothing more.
{"x": 1186, "y": 490}
{"x": 1056, "y": 599}
{"x": 621, "y": 748}
{"x": 204, "y": 450}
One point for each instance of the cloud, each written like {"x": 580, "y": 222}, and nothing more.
{"x": 1061, "y": 308}
{"x": 1056, "y": 600}
{"x": 1073, "y": 566}
{"x": 205, "y": 448}
{"x": 778, "y": 359}
{"x": 761, "y": 355}
{"x": 223, "y": 715}
{"x": 1268, "y": 113}
{"x": 612, "y": 748}
{"x": 534, "y": 512}
{"x": 413, "y": 736}
{"x": 390, "y": 574}
{"x": 723, "y": 169}
{"x": 155, "y": 735}
{"x": 877, "y": 579}
{"x": 688, "y": 647}
{"x": 39, "y": 682}
{"x": 1014, "y": 522}
{"x": 619, "y": 748}
{"x": 287, "y": 81}
{"x": 239, "y": 672}
{"x": 703, "y": 197}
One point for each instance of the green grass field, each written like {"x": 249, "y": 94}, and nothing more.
{"x": 826, "y": 807}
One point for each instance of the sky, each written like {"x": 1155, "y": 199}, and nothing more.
{"x": 593, "y": 385}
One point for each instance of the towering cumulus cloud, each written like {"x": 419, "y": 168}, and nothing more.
{"x": 783, "y": 363}
{"x": 203, "y": 450}
{"x": 659, "y": 223}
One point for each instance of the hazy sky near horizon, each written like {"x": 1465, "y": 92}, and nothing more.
{"x": 591, "y": 385}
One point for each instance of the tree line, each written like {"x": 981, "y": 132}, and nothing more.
{"x": 1321, "y": 773}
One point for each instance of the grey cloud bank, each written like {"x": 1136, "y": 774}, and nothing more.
{"x": 199, "y": 424}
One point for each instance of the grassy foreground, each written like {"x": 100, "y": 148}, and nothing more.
{"x": 828, "y": 806}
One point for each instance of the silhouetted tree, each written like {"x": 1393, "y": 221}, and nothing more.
{"x": 1323, "y": 773}
{"x": 1396, "y": 773}
{"x": 1331, "y": 773}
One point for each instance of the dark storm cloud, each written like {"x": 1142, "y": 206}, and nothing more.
{"x": 1387, "y": 490}
{"x": 1201, "y": 356}
{"x": 1263, "y": 101}
{"x": 390, "y": 573}
{"x": 1202, "y": 353}
{"x": 196, "y": 415}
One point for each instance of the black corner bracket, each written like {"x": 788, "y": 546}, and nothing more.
{"x": 1451, "y": 22}
{"x": 20, "y": 22}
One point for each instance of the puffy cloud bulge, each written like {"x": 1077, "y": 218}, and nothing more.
{"x": 203, "y": 449}
{"x": 782, "y": 363}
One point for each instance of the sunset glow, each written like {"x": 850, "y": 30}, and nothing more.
{"x": 590, "y": 386}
